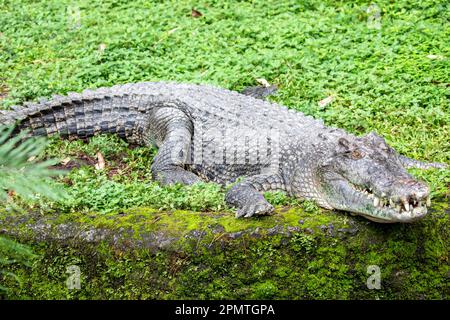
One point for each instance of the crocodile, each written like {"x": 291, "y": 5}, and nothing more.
{"x": 242, "y": 141}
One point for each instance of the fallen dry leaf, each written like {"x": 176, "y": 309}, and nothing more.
{"x": 435, "y": 57}
{"x": 3, "y": 91}
{"x": 173, "y": 30}
{"x": 65, "y": 161}
{"x": 263, "y": 82}
{"x": 102, "y": 47}
{"x": 100, "y": 165}
{"x": 324, "y": 102}
{"x": 196, "y": 13}
{"x": 10, "y": 195}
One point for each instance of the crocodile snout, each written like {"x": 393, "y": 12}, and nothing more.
{"x": 410, "y": 189}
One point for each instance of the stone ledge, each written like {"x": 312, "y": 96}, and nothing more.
{"x": 145, "y": 253}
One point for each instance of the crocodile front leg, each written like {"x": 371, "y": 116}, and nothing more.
{"x": 246, "y": 196}
{"x": 413, "y": 163}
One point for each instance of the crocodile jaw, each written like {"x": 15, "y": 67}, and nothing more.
{"x": 360, "y": 201}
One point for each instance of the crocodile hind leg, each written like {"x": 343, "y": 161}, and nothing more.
{"x": 246, "y": 196}
{"x": 260, "y": 92}
{"x": 174, "y": 129}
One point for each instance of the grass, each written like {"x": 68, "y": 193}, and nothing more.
{"x": 393, "y": 80}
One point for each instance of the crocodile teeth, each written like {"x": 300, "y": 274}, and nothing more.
{"x": 391, "y": 203}
{"x": 406, "y": 204}
{"x": 428, "y": 201}
{"x": 398, "y": 208}
{"x": 376, "y": 202}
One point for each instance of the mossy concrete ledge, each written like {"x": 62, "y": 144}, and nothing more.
{"x": 295, "y": 254}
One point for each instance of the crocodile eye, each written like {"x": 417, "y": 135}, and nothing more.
{"x": 356, "y": 154}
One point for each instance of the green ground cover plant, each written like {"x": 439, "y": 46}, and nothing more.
{"x": 391, "y": 76}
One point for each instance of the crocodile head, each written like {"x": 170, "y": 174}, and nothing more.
{"x": 365, "y": 176}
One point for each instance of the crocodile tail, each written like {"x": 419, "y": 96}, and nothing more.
{"x": 79, "y": 115}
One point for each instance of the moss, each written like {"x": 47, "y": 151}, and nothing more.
{"x": 292, "y": 255}
{"x": 264, "y": 290}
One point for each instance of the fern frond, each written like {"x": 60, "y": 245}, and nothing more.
{"x": 19, "y": 172}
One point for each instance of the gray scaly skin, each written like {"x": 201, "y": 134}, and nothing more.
{"x": 212, "y": 134}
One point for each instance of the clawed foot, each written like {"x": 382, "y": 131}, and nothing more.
{"x": 248, "y": 201}
{"x": 255, "y": 209}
